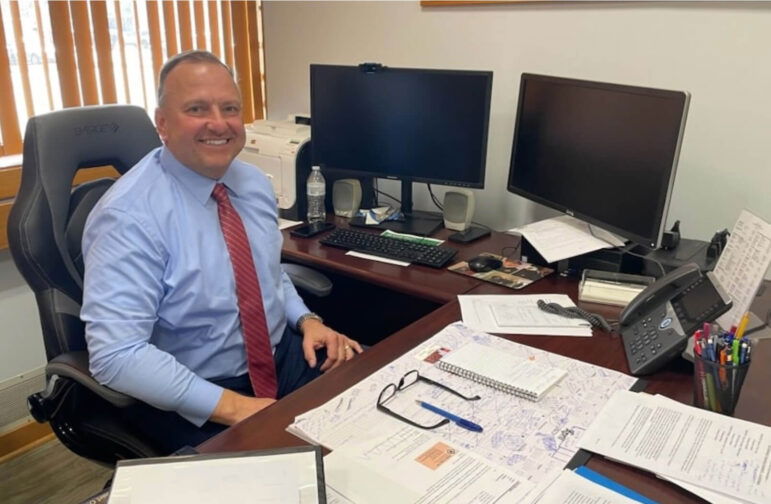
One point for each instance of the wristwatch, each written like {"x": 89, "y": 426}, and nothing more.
{"x": 302, "y": 319}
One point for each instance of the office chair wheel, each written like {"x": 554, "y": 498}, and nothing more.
{"x": 44, "y": 405}
{"x": 36, "y": 407}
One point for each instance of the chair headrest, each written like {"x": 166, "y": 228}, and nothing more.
{"x": 56, "y": 145}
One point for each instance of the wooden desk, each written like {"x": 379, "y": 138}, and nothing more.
{"x": 432, "y": 284}
{"x": 266, "y": 429}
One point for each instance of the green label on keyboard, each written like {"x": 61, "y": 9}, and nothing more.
{"x": 432, "y": 242}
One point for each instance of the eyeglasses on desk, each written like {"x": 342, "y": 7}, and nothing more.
{"x": 410, "y": 378}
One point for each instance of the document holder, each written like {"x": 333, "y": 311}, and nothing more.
{"x": 609, "y": 287}
{"x": 189, "y": 478}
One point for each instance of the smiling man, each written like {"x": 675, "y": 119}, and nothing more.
{"x": 185, "y": 302}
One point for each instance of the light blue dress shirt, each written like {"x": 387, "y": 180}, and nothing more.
{"x": 159, "y": 298}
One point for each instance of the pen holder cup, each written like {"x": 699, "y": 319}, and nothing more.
{"x": 716, "y": 386}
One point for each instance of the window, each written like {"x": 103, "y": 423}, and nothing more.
{"x": 56, "y": 54}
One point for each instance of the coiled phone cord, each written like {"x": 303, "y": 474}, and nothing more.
{"x": 575, "y": 312}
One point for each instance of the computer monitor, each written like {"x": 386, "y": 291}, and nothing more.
{"x": 414, "y": 125}
{"x": 604, "y": 153}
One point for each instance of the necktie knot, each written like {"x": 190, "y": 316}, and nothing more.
{"x": 220, "y": 193}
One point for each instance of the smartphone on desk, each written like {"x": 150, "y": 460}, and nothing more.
{"x": 312, "y": 229}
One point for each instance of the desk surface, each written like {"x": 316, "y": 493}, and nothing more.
{"x": 266, "y": 429}
{"x": 432, "y": 284}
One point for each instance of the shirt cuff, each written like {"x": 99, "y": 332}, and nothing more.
{"x": 201, "y": 400}
{"x": 294, "y": 312}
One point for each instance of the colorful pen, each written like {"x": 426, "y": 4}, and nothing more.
{"x": 735, "y": 351}
{"x": 466, "y": 424}
{"x": 742, "y": 325}
{"x": 696, "y": 342}
{"x": 743, "y": 353}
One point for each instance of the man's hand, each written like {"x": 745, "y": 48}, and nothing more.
{"x": 339, "y": 347}
{"x": 234, "y": 407}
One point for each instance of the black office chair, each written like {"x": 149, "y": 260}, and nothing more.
{"x": 45, "y": 228}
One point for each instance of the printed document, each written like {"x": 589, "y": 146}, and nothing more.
{"x": 534, "y": 441}
{"x": 570, "y": 488}
{"x": 335, "y": 497}
{"x": 722, "y": 454}
{"x": 565, "y": 236}
{"x": 707, "y": 495}
{"x": 519, "y": 314}
{"x": 415, "y": 466}
{"x": 743, "y": 264}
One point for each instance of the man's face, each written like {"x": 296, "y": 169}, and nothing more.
{"x": 200, "y": 118}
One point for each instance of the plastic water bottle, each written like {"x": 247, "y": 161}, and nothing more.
{"x": 316, "y": 191}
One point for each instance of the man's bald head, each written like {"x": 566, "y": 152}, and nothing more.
{"x": 193, "y": 56}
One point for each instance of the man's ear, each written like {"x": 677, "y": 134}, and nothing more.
{"x": 160, "y": 124}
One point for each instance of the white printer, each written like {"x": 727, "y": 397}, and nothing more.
{"x": 281, "y": 150}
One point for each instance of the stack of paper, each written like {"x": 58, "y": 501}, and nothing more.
{"x": 519, "y": 314}
{"x": 565, "y": 236}
{"x": 523, "y": 443}
{"x": 572, "y": 488}
{"x": 416, "y": 466}
{"x": 722, "y": 459}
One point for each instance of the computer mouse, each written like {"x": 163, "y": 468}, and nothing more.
{"x": 482, "y": 264}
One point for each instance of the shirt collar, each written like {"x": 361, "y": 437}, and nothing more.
{"x": 200, "y": 186}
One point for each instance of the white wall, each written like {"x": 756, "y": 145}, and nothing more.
{"x": 21, "y": 340}
{"x": 717, "y": 51}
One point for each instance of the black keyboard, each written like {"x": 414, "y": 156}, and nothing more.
{"x": 401, "y": 250}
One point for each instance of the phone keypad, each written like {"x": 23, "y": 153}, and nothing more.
{"x": 652, "y": 336}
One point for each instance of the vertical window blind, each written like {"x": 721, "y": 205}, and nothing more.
{"x": 68, "y": 53}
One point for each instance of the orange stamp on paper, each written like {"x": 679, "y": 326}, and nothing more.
{"x": 437, "y": 455}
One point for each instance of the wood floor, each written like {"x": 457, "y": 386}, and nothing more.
{"x": 50, "y": 474}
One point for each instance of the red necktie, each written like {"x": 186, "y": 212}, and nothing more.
{"x": 262, "y": 369}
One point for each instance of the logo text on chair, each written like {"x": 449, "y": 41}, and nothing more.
{"x": 91, "y": 129}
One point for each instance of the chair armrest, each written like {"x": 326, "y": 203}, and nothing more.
{"x": 74, "y": 365}
{"x": 308, "y": 279}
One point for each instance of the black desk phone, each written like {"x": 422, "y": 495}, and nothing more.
{"x": 656, "y": 324}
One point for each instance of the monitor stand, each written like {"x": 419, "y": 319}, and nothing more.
{"x": 414, "y": 222}
{"x": 696, "y": 251}
{"x": 417, "y": 223}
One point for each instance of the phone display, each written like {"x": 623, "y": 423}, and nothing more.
{"x": 697, "y": 304}
{"x": 312, "y": 229}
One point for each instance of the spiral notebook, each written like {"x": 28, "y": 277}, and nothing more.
{"x": 502, "y": 371}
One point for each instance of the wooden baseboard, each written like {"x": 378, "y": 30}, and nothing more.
{"x": 23, "y": 439}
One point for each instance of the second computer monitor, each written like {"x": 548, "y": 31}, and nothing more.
{"x": 605, "y": 153}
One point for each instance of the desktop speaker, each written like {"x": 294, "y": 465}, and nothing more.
{"x": 346, "y": 197}
{"x": 458, "y": 209}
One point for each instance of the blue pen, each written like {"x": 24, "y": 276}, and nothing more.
{"x": 466, "y": 424}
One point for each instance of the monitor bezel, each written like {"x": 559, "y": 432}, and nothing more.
{"x": 653, "y": 240}
{"x": 408, "y": 179}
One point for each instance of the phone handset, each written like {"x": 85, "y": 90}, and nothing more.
{"x": 658, "y": 293}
